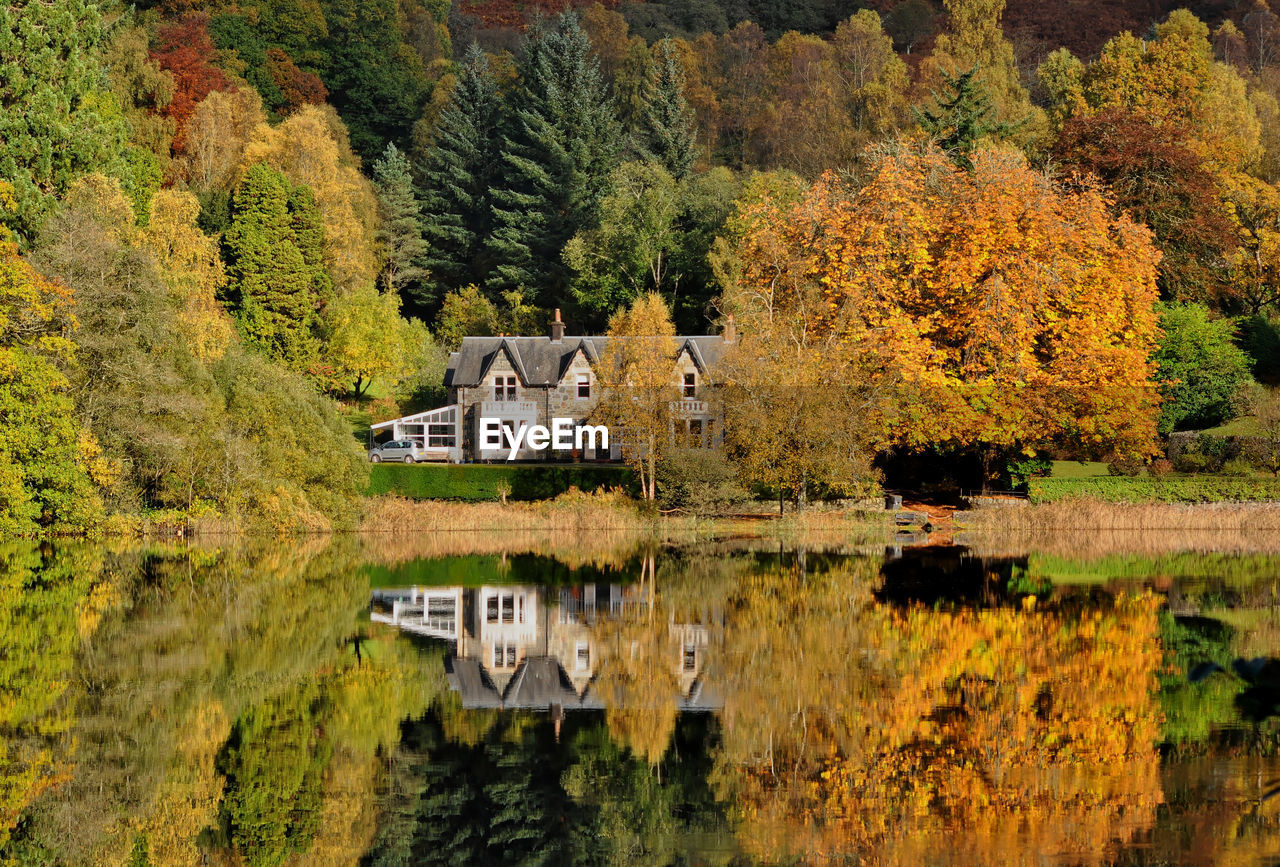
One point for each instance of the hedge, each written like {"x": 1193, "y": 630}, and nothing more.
{"x": 480, "y": 482}
{"x": 1156, "y": 489}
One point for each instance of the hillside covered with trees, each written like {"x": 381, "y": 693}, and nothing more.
{"x": 228, "y": 230}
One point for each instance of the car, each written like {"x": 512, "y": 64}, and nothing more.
{"x": 397, "y": 450}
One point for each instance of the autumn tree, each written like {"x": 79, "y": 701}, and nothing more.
{"x": 404, "y": 248}
{"x": 636, "y": 375}
{"x": 310, "y": 149}
{"x": 974, "y": 40}
{"x": 219, "y": 129}
{"x": 1159, "y": 181}
{"x": 368, "y": 339}
{"x": 275, "y": 262}
{"x": 47, "y": 457}
{"x": 948, "y": 271}
{"x": 1253, "y": 267}
{"x": 184, "y": 49}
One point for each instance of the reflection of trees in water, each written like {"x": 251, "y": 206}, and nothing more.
{"x": 45, "y": 609}
{"x": 202, "y": 644}
{"x": 480, "y": 787}
{"x": 853, "y": 728}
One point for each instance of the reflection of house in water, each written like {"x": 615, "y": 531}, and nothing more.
{"x": 528, "y": 647}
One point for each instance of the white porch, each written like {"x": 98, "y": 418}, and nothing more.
{"x": 438, "y": 432}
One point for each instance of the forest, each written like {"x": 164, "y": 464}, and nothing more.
{"x": 230, "y": 232}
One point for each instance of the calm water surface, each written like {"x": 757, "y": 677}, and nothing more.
{"x": 353, "y": 702}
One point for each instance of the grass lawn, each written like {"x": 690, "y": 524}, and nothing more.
{"x": 1244, "y": 426}
{"x": 1078, "y": 470}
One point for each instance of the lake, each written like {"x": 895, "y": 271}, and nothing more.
{"x": 1074, "y": 700}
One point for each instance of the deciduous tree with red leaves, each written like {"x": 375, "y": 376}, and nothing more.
{"x": 185, "y": 49}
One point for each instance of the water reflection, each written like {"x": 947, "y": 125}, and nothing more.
{"x": 534, "y": 648}
{"x": 721, "y": 704}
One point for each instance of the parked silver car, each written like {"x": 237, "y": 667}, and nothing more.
{"x": 397, "y": 450}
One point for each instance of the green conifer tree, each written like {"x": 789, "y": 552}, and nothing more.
{"x": 963, "y": 116}
{"x": 275, "y": 257}
{"x": 562, "y": 141}
{"x": 401, "y": 231}
{"x": 667, "y": 126}
{"x": 457, "y": 175}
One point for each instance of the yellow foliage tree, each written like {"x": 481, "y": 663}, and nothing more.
{"x": 310, "y": 147}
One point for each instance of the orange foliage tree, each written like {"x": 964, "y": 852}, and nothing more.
{"x": 1018, "y": 314}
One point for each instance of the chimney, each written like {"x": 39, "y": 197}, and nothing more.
{"x": 557, "y": 329}
{"x": 730, "y": 331}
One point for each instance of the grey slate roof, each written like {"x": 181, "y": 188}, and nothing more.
{"x": 540, "y": 682}
{"x": 539, "y": 362}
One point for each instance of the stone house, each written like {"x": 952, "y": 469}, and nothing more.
{"x": 527, "y": 381}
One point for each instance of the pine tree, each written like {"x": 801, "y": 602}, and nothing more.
{"x": 562, "y": 142}
{"x": 275, "y": 255}
{"x": 963, "y": 117}
{"x": 401, "y": 233}
{"x": 667, "y": 126}
{"x": 457, "y": 176}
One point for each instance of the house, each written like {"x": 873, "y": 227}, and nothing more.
{"x": 527, "y": 381}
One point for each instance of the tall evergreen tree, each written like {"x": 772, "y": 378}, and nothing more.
{"x": 667, "y": 126}
{"x": 962, "y": 117}
{"x": 401, "y": 232}
{"x": 457, "y": 176}
{"x": 562, "y": 141}
{"x": 275, "y": 262}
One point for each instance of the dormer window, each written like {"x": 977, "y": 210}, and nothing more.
{"x": 584, "y": 386}
{"x": 690, "y": 384}
{"x": 504, "y": 388}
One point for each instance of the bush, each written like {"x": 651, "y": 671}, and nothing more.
{"x": 701, "y": 481}
{"x": 1199, "y": 367}
{"x": 475, "y": 483}
{"x": 1150, "y": 489}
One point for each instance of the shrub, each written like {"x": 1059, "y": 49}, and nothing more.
{"x": 474, "y": 483}
{"x": 701, "y": 481}
{"x": 1199, "y": 367}
{"x": 1150, "y": 489}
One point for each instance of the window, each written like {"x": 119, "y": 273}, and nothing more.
{"x": 511, "y": 656}
{"x": 508, "y": 609}
{"x": 504, "y": 656}
{"x": 491, "y": 609}
{"x": 583, "y": 656}
{"x": 689, "y": 660}
{"x": 497, "y": 656}
{"x": 584, "y": 386}
{"x": 690, "y": 385}
{"x": 504, "y": 388}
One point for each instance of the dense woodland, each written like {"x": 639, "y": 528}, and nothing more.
{"x": 230, "y": 230}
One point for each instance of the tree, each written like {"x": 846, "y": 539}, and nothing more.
{"x": 57, "y": 119}
{"x": 637, "y": 378}
{"x": 1200, "y": 368}
{"x": 975, "y": 41}
{"x": 465, "y": 313}
{"x": 561, "y": 145}
{"x": 45, "y": 457}
{"x": 1159, "y": 181}
{"x": 368, "y": 338}
{"x": 457, "y": 175}
{"x": 184, "y": 49}
{"x": 963, "y": 118}
{"x": 217, "y": 133}
{"x": 1264, "y": 405}
{"x": 1253, "y": 268}
{"x": 946, "y": 273}
{"x": 630, "y": 253}
{"x": 310, "y": 148}
{"x": 375, "y": 81}
{"x": 274, "y": 251}
{"x": 667, "y": 134}
{"x": 401, "y": 233}
{"x": 188, "y": 262}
